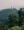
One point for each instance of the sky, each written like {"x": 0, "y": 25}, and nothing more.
{"x": 14, "y": 3}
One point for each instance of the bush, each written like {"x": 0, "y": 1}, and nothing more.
{"x": 15, "y": 28}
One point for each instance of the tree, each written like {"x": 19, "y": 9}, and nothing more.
{"x": 20, "y": 18}
{"x": 12, "y": 20}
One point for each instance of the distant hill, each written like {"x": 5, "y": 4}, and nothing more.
{"x": 5, "y": 13}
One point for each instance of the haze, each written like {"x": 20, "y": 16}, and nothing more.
{"x": 14, "y": 3}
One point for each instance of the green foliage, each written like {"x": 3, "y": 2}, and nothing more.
{"x": 21, "y": 16}
{"x": 15, "y": 28}
{"x": 12, "y": 20}
{"x": 22, "y": 27}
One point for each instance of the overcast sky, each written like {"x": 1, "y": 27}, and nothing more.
{"x": 14, "y": 3}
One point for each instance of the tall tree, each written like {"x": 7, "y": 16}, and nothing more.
{"x": 20, "y": 18}
{"x": 12, "y": 19}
